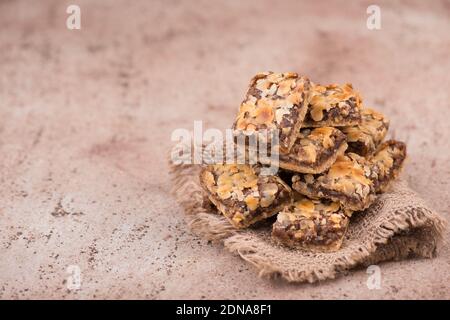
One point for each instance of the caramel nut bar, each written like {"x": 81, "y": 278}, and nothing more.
{"x": 348, "y": 181}
{"x": 333, "y": 106}
{"x": 387, "y": 163}
{"x": 316, "y": 225}
{"x": 315, "y": 150}
{"x": 242, "y": 195}
{"x": 353, "y": 180}
{"x": 274, "y": 102}
{"x": 364, "y": 138}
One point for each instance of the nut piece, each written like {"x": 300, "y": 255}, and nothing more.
{"x": 274, "y": 102}
{"x": 242, "y": 195}
{"x": 268, "y": 193}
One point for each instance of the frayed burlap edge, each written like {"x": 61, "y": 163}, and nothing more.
{"x": 412, "y": 231}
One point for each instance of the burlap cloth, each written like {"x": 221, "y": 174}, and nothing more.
{"x": 397, "y": 226}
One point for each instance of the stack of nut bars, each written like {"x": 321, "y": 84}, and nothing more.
{"x": 332, "y": 158}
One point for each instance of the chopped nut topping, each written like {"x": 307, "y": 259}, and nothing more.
{"x": 325, "y": 134}
{"x": 242, "y": 194}
{"x": 311, "y": 223}
{"x": 264, "y": 112}
{"x": 268, "y": 192}
{"x": 232, "y": 179}
{"x": 333, "y": 105}
{"x": 345, "y": 167}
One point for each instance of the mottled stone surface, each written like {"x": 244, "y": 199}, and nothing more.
{"x": 86, "y": 118}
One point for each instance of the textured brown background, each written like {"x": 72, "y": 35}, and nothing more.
{"x": 86, "y": 118}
